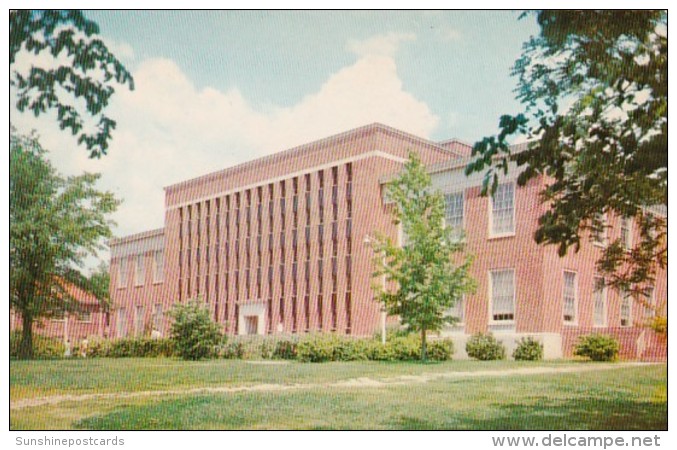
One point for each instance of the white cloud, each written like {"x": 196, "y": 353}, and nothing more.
{"x": 381, "y": 45}
{"x": 450, "y": 34}
{"x": 169, "y": 131}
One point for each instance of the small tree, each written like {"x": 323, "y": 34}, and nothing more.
{"x": 194, "y": 333}
{"x": 424, "y": 276}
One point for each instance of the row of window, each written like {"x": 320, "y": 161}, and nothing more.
{"x": 158, "y": 269}
{"x": 599, "y": 299}
{"x": 141, "y": 328}
{"x": 502, "y": 212}
{"x": 502, "y": 216}
{"x": 502, "y": 304}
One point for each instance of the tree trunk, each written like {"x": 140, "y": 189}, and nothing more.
{"x": 26, "y": 345}
{"x": 424, "y": 346}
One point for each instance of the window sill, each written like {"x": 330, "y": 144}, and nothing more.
{"x": 570, "y": 324}
{"x": 501, "y": 236}
{"x": 599, "y": 244}
{"x": 158, "y": 282}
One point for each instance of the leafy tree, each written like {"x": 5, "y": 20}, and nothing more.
{"x": 55, "y": 222}
{"x": 87, "y": 79}
{"x": 193, "y": 331}
{"x": 424, "y": 276}
{"x": 594, "y": 89}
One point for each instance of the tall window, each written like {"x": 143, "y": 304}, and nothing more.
{"x": 158, "y": 266}
{"x": 458, "y": 310}
{"x": 122, "y": 322}
{"x": 626, "y": 309}
{"x": 453, "y": 211}
{"x": 158, "y": 317}
{"x": 570, "y": 296}
{"x": 599, "y": 236}
{"x": 139, "y": 273}
{"x": 650, "y": 303}
{"x": 599, "y": 303}
{"x": 122, "y": 272}
{"x": 626, "y": 232}
{"x": 503, "y": 295}
{"x": 138, "y": 320}
{"x": 503, "y": 209}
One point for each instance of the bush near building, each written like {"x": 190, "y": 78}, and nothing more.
{"x": 597, "y": 347}
{"x": 193, "y": 331}
{"x": 528, "y": 349}
{"x": 485, "y": 347}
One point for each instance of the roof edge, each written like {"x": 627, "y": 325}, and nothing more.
{"x": 136, "y": 236}
{"x": 314, "y": 145}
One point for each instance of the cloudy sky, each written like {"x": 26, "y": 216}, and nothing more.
{"x": 214, "y": 89}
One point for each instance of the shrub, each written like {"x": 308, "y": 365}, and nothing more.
{"x": 406, "y": 348}
{"x": 233, "y": 349}
{"x": 349, "y": 349}
{"x": 485, "y": 347}
{"x": 43, "y": 347}
{"x": 378, "y": 352}
{"x": 440, "y": 350}
{"x": 319, "y": 348}
{"x": 131, "y": 348}
{"x": 285, "y": 349}
{"x": 194, "y": 333}
{"x": 597, "y": 347}
{"x": 528, "y": 349}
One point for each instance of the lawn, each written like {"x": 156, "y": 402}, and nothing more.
{"x": 589, "y": 397}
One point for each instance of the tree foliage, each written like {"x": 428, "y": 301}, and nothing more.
{"x": 424, "y": 275}
{"x": 55, "y": 222}
{"x": 87, "y": 79}
{"x": 594, "y": 88}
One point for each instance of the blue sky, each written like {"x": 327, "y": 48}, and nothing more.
{"x": 457, "y": 62}
{"x": 215, "y": 89}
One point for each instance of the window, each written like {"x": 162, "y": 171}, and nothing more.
{"x": 122, "y": 322}
{"x": 59, "y": 314}
{"x": 503, "y": 209}
{"x": 158, "y": 267}
{"x": 503, "y": 295}
{"x": 599, "y": 303}
{"x": 138, "y": 320}
{"x": 599, "y": 235}
{"x": 158, "y": 317}
{"x": 122, "y": 273}
{"x": 139, "y": 273}
{"x": 85, "y": 316}
{"x": 650, "y": 303}
{"x": 569, "y": 295}
{"x": 458, "y": 311}
{"x": 453, "y": 211}
{"x": 626, "y": 232}
{"x": 626, "y": 309}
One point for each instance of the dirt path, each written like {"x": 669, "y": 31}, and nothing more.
{"x": 353, "y": 383}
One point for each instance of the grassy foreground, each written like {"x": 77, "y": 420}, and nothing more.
{"x": 620, "y": 398}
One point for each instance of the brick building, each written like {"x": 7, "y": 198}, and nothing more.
{"x": 277, "y": 245}
{"x": 89, "y": 320}
{"x": 274, "y": 245}
{"x": 526, "y": 289}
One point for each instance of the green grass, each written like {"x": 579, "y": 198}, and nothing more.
{"x": 622, "y": 398}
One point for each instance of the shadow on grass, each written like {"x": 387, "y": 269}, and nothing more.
{"x": 546, "y": 414}
{"x": 541, "y": 413}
